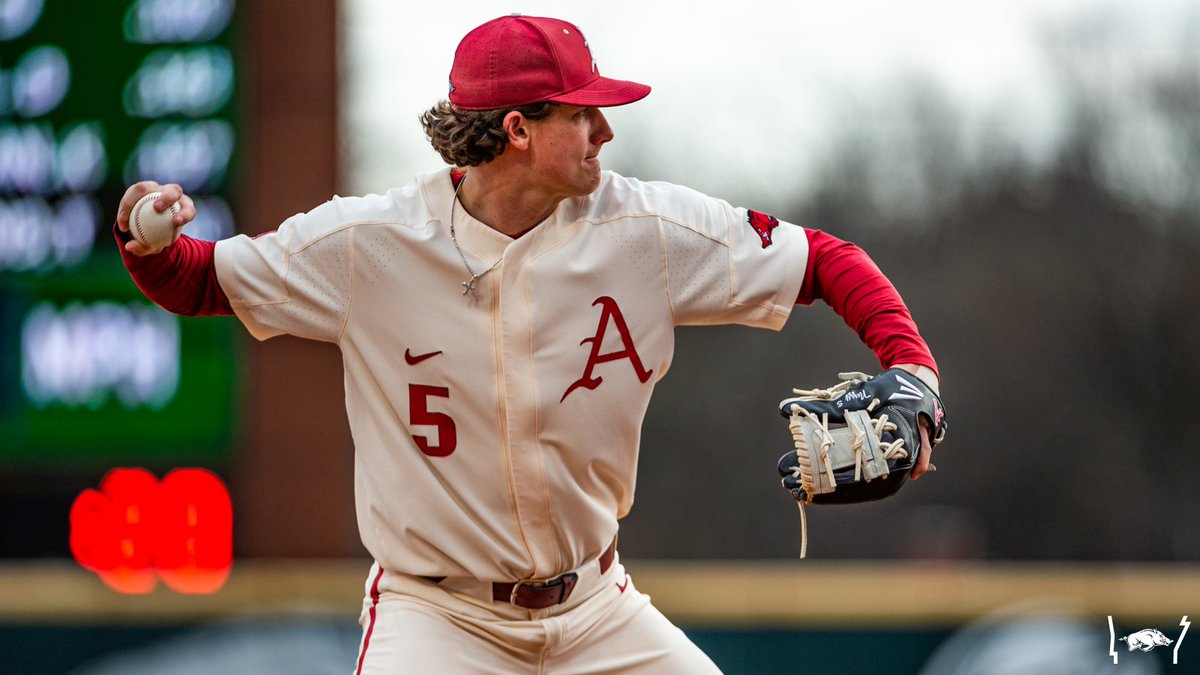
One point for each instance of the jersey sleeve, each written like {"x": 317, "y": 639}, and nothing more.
{"x": 295, "y": 280}
{"x": 845, "y": 277}
{"x": 730, "y": 265}
{"x": 181, "y": 279}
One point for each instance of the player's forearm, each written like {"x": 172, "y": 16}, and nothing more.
{"x": 182, "y": 279}
{"x": 842, "y": 275}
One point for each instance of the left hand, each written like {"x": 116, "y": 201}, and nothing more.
{"x": 925, "y": 455}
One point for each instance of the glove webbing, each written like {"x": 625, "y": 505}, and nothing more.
{"x": 804, "y": 455}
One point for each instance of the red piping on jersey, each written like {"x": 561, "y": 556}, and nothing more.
{"x": 182, "y": 279}
{"x": 371, "y": 624}
{"x": 842, "y": 275}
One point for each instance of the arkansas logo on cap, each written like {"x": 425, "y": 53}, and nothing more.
{"x": 763, "y": 225}
{"x": 517, "y": 60}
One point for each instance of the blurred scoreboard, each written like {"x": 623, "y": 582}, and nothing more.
{"x": 96, "y": 95}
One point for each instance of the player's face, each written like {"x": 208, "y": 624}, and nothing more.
{"x": 566, "y": 148}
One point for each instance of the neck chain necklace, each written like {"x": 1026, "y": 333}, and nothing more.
{"x": 469, "y": 284}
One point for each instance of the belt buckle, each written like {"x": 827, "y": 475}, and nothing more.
{"x": 543, "y": 584}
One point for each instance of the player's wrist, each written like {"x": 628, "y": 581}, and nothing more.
{"x": 927, "y": 374}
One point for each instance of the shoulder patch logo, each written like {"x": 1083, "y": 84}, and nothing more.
{"x": 763, "y": 224}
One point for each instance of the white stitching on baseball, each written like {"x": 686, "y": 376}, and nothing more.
{"x": 137, "y": 222}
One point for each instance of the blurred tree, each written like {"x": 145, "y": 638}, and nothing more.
{"x": 1057, "y": 292}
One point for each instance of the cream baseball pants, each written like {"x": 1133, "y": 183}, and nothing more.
{"x": 413, "y": 625}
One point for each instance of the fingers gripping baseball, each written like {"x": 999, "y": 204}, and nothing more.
{"x": 170, "y": 200}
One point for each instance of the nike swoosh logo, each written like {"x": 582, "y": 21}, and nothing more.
{"x": 622, "y": 587}
{"x": 414, "y": 360}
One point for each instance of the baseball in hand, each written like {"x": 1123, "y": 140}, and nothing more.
{"x": 153, "y": 229}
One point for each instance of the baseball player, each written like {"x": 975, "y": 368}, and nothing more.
{"x": 502, "y": 325}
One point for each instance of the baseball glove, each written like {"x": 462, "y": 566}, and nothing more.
{"x": 858, "y": 440}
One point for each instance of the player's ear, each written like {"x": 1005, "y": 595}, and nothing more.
{"x": 516, "y": 127}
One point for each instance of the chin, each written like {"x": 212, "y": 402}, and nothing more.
{"x": 584, "y": 186}
{"x": 594, "y": 177}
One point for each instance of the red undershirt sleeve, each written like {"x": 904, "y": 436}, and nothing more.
{"x": 182, "y": 279}
{"x": 842, "y": 275}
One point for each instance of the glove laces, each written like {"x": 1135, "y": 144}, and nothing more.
{"x": 806, "y": 456}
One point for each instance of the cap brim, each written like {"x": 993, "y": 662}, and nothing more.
{"x": 604, "y": 92}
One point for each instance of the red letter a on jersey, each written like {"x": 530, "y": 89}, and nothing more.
{"x": 608, "y": 311}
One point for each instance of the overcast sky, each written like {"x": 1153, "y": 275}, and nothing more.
{"x": 746, "y": 98}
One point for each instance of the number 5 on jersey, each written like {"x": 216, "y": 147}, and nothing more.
{"x": 419, "y": 413}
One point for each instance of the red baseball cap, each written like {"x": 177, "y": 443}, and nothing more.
{"x": 517, "y": 60}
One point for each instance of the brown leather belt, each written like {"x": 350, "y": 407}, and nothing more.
{"x": 543, "y": 593}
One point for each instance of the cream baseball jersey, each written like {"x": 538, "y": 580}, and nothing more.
{"x": 497, "y": 433}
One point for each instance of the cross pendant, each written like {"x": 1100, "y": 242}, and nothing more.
{"x": 469, "y": 285}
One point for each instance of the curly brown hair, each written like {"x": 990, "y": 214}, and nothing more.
{"x": 473, "y": 137}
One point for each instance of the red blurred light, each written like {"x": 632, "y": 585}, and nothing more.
{"x": 195, "y": 539}
{"x": 135, "y": 530}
